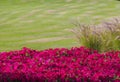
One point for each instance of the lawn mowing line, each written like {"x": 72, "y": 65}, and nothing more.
{"x": 22, "y": 17}
{"x": 42, "y": 40}
{"x": 6, "y": 19}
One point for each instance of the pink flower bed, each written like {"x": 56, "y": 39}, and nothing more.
{"x": 59, "y": 65}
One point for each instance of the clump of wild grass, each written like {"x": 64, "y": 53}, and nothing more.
{"x": 102, "y": 37}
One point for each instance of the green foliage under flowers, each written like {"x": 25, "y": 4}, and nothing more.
{"x": 102, "y": 37}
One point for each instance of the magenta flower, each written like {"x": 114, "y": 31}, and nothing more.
{"x": 60, "y": 64}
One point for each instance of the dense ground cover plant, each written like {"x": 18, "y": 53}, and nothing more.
{"x": 102, "y": 37}
{"x": 59, "y": 65}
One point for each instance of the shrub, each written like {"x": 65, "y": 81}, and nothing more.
{"x": 102, "y": 37}
{"x": 60, "y": 64}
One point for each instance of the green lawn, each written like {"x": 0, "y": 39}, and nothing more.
{"x": 41, "y": 24}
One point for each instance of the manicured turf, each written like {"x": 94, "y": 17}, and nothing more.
{"x": 41, "y": 24}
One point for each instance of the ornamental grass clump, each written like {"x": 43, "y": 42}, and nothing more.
{"x": 102, "y": 37}
{"x": 113, "y": 29}
{"x": 87, "y": 37}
